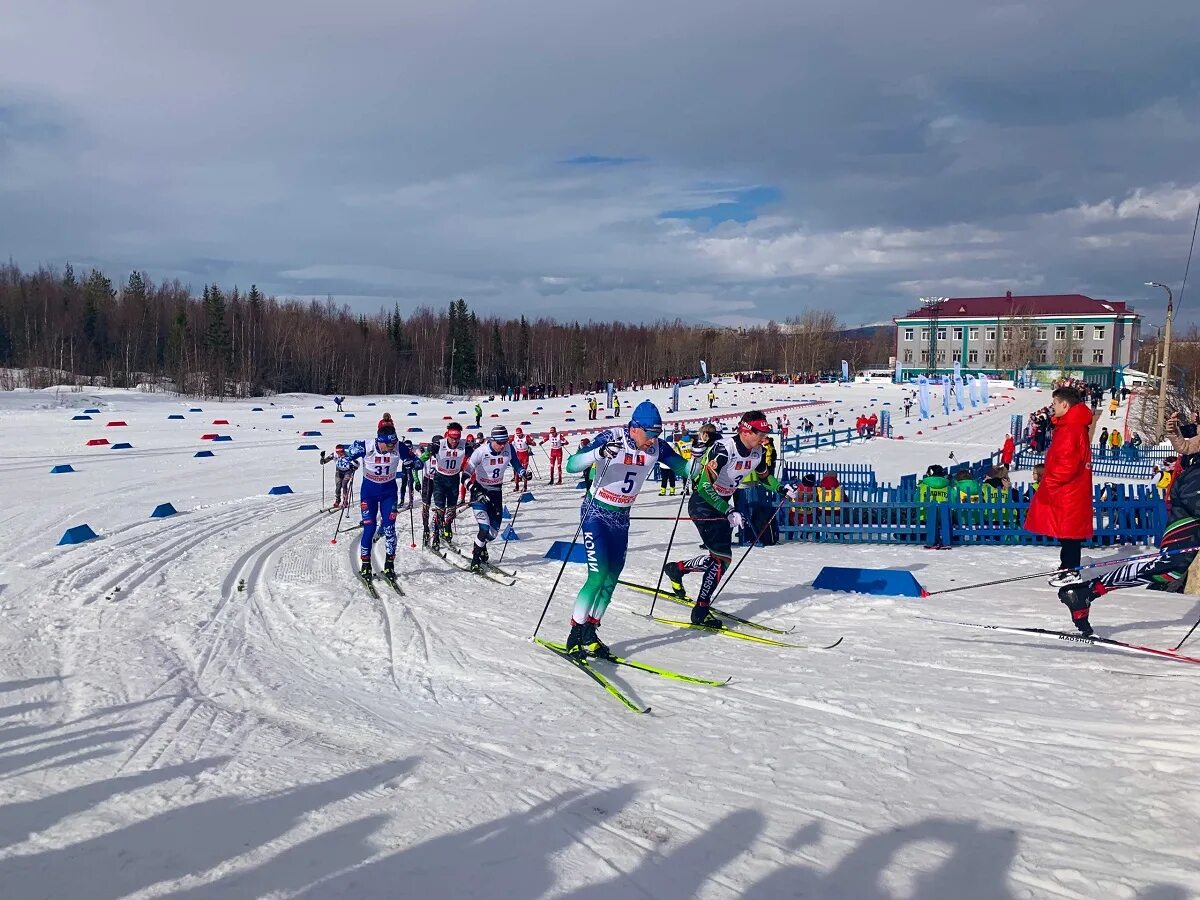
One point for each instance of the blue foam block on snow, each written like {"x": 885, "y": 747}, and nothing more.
{"x": 80, "y": 533}
{"x": 223, "y": 437}
{"x": 92, "y": 411}
{"x": 582, "y": 485}
{"x": 527, "y": 497}
{"x": 561, "y": 550}
{"x": 287, "y": 416}
{"x": 505, "y": 514}
{"x": 311, "y": 434}
{"x": 308, "y": 447}
{"x": 880, "y": 582}
{"x": 121, "y": 446}
{"x": 195, "y": 409}
{"x": 280, "y": 489}
{"x": 257, "y": 409}
{"x": 62, "y": 469}
{"x": 347, "y": 415}
{"x": 163, "y": 510}
{"x": 202, "y": 453}
{"x": 509, "y": 534}
{"x": 412, "y": 413}
{"x": 81, "y": 418}
{"x": 372, "y": 403}
{"x": 175, "y": 416}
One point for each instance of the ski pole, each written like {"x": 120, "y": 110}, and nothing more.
{"x": 511, "y": 524}
{"x": 412, "y": 527}
{"x": 761, "y": 532}
{"x": 679, "y": 518}
{"x": 567, "y": 557}
{"x": 1120, "y": 561}
{"x": 1186, "y": 636}
{"x": 337, "y": 529}
{"x": 322, "y": 480}
{"x": 666, "y": 555}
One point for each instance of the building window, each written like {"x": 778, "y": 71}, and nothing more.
{"x": 1077, "y": 332}
{"x": 1060, "y": 332}
{"x": 925, "y": 356}
{"x": 1077, "y": 356}
{"x": 1006, "y": 357}
{"x": 958, "y": 333}
{"x": 1098, "y": 333}
{"x": 991, "y": 334}
{"x": 1044, "y": 357}
{"x": 1041, "y": 333}
{"x": 957, "y": 357}
{"x": 972, "y": 357}
{"x": 941, "y": 334}
{"x": 972, "y": 334}
{"x": 989, "y": 356}
{"x": 908, "y": 334}
{"x": 1098, "y": 357}
{"x": 1024, "y": 332}
{"x": 908, "y": 356}
{"x": 924, "y": 334}
{"x": 1006, "y": 332}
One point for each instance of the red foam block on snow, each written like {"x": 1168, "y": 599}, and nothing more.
{"x": 327, "y": 421}
{"x": 207, "y": 437}
{"x": 220, "y": 421}
{"x": 114, "y": 424}
{"x": 97, "y": 442}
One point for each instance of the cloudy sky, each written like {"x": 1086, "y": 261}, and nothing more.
{"x": 713, "y": 160}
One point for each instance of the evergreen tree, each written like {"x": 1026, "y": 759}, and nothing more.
{"x": 523, "y": 364}
{"x": 98, "y": 295}
{"x": 499, "y": 366}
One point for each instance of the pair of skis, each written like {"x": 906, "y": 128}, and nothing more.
{"x": 369, "y": 584}
{"x": 487, "y": 570}
{"x": 727, "y": 617}
{"x": 1070, "y": 638}
{"x": 586, "y": 666}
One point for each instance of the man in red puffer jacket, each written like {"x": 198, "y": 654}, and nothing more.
{"x": 1062, "y": 506}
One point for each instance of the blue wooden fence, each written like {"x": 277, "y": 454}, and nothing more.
{"x": 1110, "y": 466}
{"x": 1124, "y": 514}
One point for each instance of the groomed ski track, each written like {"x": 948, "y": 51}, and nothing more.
{"x": 242, "y": 719}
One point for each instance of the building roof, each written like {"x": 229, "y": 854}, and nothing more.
{"x": 1035, "y": 305}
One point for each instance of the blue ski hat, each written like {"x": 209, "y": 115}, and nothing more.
{"x": 647, "y": 417}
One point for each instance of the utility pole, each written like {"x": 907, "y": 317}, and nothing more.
{"x": 1165, "y": 368}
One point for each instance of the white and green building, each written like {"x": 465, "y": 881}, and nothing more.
{"x": 1002, "y": 336}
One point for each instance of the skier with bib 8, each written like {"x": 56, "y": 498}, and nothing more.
{"x": 623, "y": 457}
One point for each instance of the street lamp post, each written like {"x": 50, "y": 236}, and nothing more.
{"x": 1166, "y": 360}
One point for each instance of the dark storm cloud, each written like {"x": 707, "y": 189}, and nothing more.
{"x": 579, "y": 160}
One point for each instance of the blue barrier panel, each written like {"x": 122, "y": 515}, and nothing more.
{"x": 280, "y": 489}
{"x": 527, "y": 497}
{"x": 881, "y": 582}
{"x": 80, "y": 533}
{"x": 163, "y": 510}
{"x": 308, "y": 447}
{"x": 223, "y": 437}
{"x": 561, "y": 550}
{"x": 175, "y": 416}
{"x": 509, "y": 534}
{"x": 81, "y": 418}
{"x": 92, "y": 410}
{"x": 202, "y": 453}
{"x": 62, "y": 469}
{"x": 287, "y": 416}
{"x": 121, "y": 446}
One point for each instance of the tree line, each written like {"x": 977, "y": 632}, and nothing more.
{"x": 60, "y": 326}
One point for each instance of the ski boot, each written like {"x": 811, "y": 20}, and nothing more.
{"x": 389, "y": 567}
{"x": 448, "y": 534}
{"x": 425, "y": 538}
{"x": 365, "y": 572}
{"x": 483, "y": 553}
{"x": 476, "y": 560}
{"x": 675, "y": 577}
{"x": 662, "y": 492}
{"x": 575, "y": 642}
{"x": 702, "y": 614}
{"x": 671, "y": 492}
{"x": 1078, "y": 599}
{"x": 591, "y": 641}
{"x": 435, "y": 542}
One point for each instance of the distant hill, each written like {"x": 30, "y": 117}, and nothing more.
{"x": 867, "y": 332}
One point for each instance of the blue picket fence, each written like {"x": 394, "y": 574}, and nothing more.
{"x": 1108, "y": 466}
{"x": 1124, "y": 514}
{"x": 857, "y": 475}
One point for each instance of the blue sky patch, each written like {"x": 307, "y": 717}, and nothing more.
{"x": 739, "y": 206}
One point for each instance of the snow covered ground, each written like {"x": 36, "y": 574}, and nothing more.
{"x": 163, "y": 732}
